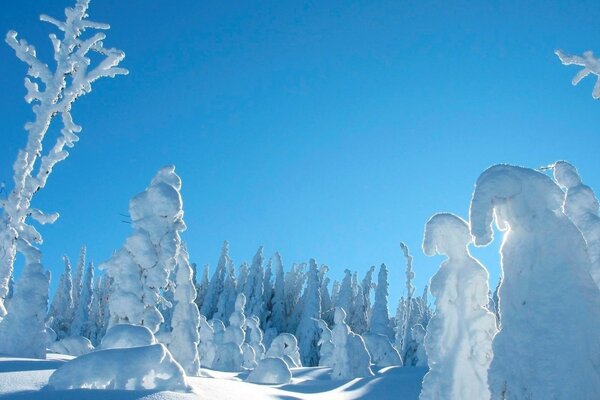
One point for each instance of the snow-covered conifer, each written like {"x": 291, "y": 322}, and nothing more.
{"x": 209, "y": 306}
{"x": 183, "y": 341}
{"x": 325, "y": 343}
{"x": 350, "y": 356}
{"x": 75, "y": 71}
{"x": 230, "y": 356}
{"x": 278, "y": 316}
{"x": 81, "y": 321}
{"x": 345, "y": 296}
{"x": 358, "y": 312}
{"x": 308, "y": 330}
{"x": 141, "y": 268}
{"x": 227, "y": 297}
{"x": 207, "y": 348}
{"x": 326, "y": 305}
{"x": 253, "y": 287}
{"x": 61, "y": 310}
{"x": 380, "y": 320}
{"x": 294, "y": 282}
{"x": 582, "y": 207}
{"x": 254, "y": 337}
{"x": 78, "y": 277}
{"x": 367, "y": 285}
{"x": 202, "y": 286}
{"x": 459, "y": 337}
{"x": 544, "y": 258}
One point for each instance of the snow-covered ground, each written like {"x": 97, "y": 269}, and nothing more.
{"x": 22, "y": 378}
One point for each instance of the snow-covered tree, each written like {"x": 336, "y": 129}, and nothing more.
{"x": 357, "y": 318}
{"x": 100, "y": 313}
{"x": 583, "y": 208}
{"x": 230, "y": 356}
{"x": 209, "y": 306}
{"x": 278, "y": 316}
{"x": 228, "y": 295}
{"x": 350, "y": 356}
{"x": 544, "y": 258}
{"x": 53, "y": 94}
{"x": 459, "y": 336}
{"x": 294, "y": 281}
{"x": 81, "y": 321}
{"x": 367, "y": 285}
{"x": 326, "y": 304}
{"x": 202, "y": 286}
{"x": 78, "y": 277}
{"x": 60, "y": 314}
{"x": 184, "y": 339}
{"x": 254, "y": 337}
{"x": 308, "y": 331}
{"x": 380, "y": 319}
{"x": 268, "y": 291}
{"x": 253, "y": 287}
{"x": 141, "y": 268}
{"x": 207, "y": 348}
{"x": 590, "y": 64}
{"x": 325, "y": 343}
{"x": 345, "y": 296}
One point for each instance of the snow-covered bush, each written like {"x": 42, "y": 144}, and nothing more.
{"x": 350, "y": 356}
{"x": 271, "y": 371}
{"x": 285, "y": 346}
{"x": 383, "y": 353}
{"x": 72, "y": 345}
{"x": 140, "y": 269}
{"x": 581, "y": 205}
{"x": 590, "y": 64}
{"x": 125, "y": 336}
{"x": 546, "y": 348}
{"x": 139, "y": 368}
{"x": 459, "y": 336}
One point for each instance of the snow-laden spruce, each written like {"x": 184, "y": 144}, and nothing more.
{"x": 459, "y": 336}
{"x": 581, "y": 205}
{"x": 350, "y": 356}
{"x": 230, "y": 355}
{"x": 52, "y": 93}
{"x": 380, "y": 319}
{"x": 81, "y": 321}
{"x": 590, "y": 64}
{"x": 326, "y": 347}
{"x": 184, "y": 339}
{"x": 140, "y": 269}
{"x": 215, "y": 287}
{"x": 254, "y": 337}
{"x": 308, "y": 331}
{"x": 207, "y": 348}
{"x": 60, "y": 314}
{"x": 547, "y": 346}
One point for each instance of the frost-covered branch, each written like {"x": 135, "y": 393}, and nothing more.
{"x": 590, "y": 64}
{"x": 52, "y": 94}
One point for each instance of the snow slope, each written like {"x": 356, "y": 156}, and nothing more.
{"x": 22, "y": 378}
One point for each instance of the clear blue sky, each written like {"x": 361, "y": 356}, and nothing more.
{"x": 331, "y": 130}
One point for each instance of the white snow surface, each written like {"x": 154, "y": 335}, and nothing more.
{"x": 26, "y": 379}
{"x": 270, "y": 371}
{"x": 546, "y": 349}
{"x": 72, "y": 345}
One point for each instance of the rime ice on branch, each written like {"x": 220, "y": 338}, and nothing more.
{"x": 590, "y": 64}
{"x": 52, "y": 94}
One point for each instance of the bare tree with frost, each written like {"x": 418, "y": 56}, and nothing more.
{"x": 52, "y": 94}
{"x": 590, "y": 64}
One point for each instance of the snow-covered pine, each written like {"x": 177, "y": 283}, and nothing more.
{"x": 141, "y": 268}
{"x": 325, "y": 343}
{"x": 227, "y": 298}
{"x": 207, "y": 348}
{"x": 230, "y": 356}
{"x": 406, "y": 348}
{"x": 307, "y": 332}
{"x": 294, "y": 282}
{"x": 268, "y": 291}
{"x": 253, "y": 287}
{"x": 81, "y": 321}
{"x": 184, "y": 339}
{"x": 326, "y": 304}
{"x": 254, "y": 337}
{"x": 544, "y": 258}
{"x": 350, "y": 356}
{"x": 345, "y": 295}
{"x": 459, "y": 336}
{"x": 278, "y": 316}
{"x": 53, "y": 94}
{"x": 367, "y": 285}
{"x": 380, "y": 319}
{"x": 61, "y": 313}
{"x": 78, "y": 277}
{"x": 215, "y": 288}
{"x": 202, "y": 286}
{"x": 590, "y": 64}
{"x": 582, "y": 207}
{"x": 357, "y": 318}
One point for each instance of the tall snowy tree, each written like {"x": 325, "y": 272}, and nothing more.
{"x": 294, "y": 282}
{"x": 227, "y": 298}
{"x": 380, "y": 320}
{"x": 209, "y": 306}
{"x": 350, "y": 356}
{"x": 202, "y": 286}
{"x": 326, "y": 304}
{"x": 141, "y": 268}
{"x": 345, "y": 296}
{"x": 544, "y": 258}
{"x": 61, "y": 310}
{"x": 459, "y": 339}
{"x": 184, "y": 339}
{"x": 267, "y": 294}
{"x": 253, "y": 287}
{"x": 358, "y": 312}
{"x": 308, "y": 331}
{"x": 406, "y": 345}
{"x": 78, "y": 277}
{"x": 278, "y": 316}
{"x": 59, "y": 89}
{"x": 81, "y": 321}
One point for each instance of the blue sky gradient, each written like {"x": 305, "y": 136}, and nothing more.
{"x": 331, "y": 130}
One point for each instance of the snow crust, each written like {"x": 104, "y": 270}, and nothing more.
{"x": 271, "y": 371}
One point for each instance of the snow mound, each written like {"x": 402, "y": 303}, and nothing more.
{"x": 271, "y": 371}
{"x": 72, "y": 346}
{"x": 125, "y": 336}
{"x": 140, "y": 368}
{"x": 383, "y": 354}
